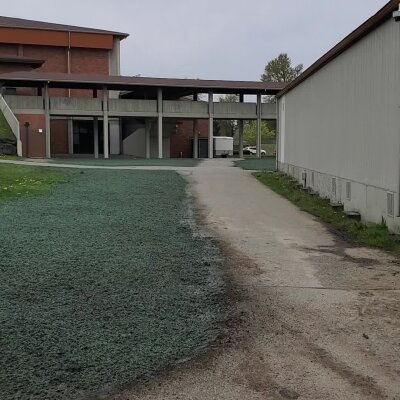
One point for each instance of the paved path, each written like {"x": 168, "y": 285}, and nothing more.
{"x": 313, "y": 316}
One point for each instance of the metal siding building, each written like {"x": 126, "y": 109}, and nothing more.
{"x": 341, "y": 126}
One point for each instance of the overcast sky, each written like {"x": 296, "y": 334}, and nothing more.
{"x": 208, "y": 39}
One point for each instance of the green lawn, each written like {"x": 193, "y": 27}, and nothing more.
{"x": 374, "y": 235}
{"x": 105, "y": 281}
{"x": 170, "y": 162}
{"x": 19, "y": 181}
{"x": 257, "y": 164}
{"x": 5, "y": 130}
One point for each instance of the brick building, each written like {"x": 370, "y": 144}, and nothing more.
{"x": 63, "y": 93}
{"x": 45, "y": 47}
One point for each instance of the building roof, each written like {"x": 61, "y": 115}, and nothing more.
{"x": 9, "y": 22}
{"x": 33, "y": 62}
{"x": 90, "y": 81}
{"x": 363, "y": 30}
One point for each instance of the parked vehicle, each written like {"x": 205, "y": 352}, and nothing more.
{"x": 251, "y": 150}
{"x": 223, "y": 146}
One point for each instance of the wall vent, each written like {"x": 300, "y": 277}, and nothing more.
{"x": 348, "y": 190}
{"x": 390, "y": 204}
{"x": 334, "y": 186}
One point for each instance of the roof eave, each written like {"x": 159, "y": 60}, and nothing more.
{"x": 363, "y": 30}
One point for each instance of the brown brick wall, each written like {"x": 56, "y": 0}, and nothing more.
{"x": 8, "y": 49}
{"x": 59, "y": 136}
{"x": 33, "y": 142}
{"x": 181, "y": 138}
{"x": 10, "y": 67}
{"x": 93, "y": 61}
{"x": 88, "y": 61}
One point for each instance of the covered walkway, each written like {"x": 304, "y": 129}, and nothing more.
{"x": 154, "y": 100}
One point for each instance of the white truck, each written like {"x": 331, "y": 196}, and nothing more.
{"x": 223, "y": 146}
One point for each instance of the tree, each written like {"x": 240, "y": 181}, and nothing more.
{"x": 280, "y": 69}
{"x": 250, "y": 132}
{"x": 226, "y": 127}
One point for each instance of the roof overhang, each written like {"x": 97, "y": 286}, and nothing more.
{"x": 126, "y": 83}
{"x": 363, "y": 30}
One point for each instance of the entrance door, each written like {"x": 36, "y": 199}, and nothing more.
{"x": 84, "y": 137}
{"x": 203, "y": 148}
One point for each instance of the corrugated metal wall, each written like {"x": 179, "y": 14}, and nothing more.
{"x": 345, "y": 119}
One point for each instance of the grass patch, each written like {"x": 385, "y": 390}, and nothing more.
{"x": 169, "y": 162}
{"x": 104, "y": 282}
{"x": 18, "y": 180}
{"x": 373, "y": 235}
{"x": 5, "y": 130}
{"x": 270, "y": 149}
{"x": 257, "y": 164}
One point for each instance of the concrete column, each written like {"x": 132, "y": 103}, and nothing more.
{"x": 96, "y": 136}
{"x": 105, "y": 124}
{"x": 195, "y": 133}
{"x": 210, "y": 125}
{"x": 160, "y": 122}
{"x": 70, "y": 136}
{"x": 147, "y": 137}
{"x": 277, "y": 134}
{"x": 240, "y": 128}
{"x": 47, "y": 120}
{"x": 258, "y": 142}
{"x": 195, "y": 138}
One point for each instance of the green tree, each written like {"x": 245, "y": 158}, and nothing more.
{"x": 250, "y": 132}
{"x": 280, "y": 69}
{"x": 224, "y": 127}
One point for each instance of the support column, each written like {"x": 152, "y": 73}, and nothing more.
{"x": 47, "y": 120}
{"x": 195, "y": 138}
{"x": 240, "y": 128}
{"x": 277, "y": 129}
{"x": 96, "y": 136}
{"x": 160, "y": 123}
{"x": 258, "y": 142}
{"x": 105, "y": 123}
{"x": 210, "y": 125}
{"x": 70, "y": 136}
{"x": 195, "y": 133}
{"x": 147, "y": 137}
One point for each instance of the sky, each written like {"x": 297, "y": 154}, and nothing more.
{"x": 208, "y": 39}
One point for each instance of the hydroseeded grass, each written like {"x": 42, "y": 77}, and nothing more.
{"x": 104, "y": 282}
{"x": 374, "y": 235}
{"x": 257, "y": 164}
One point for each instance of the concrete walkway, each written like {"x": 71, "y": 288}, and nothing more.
{"x": 313, "y": 317}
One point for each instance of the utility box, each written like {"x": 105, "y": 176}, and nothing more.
{"x": 223, "y": 146}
